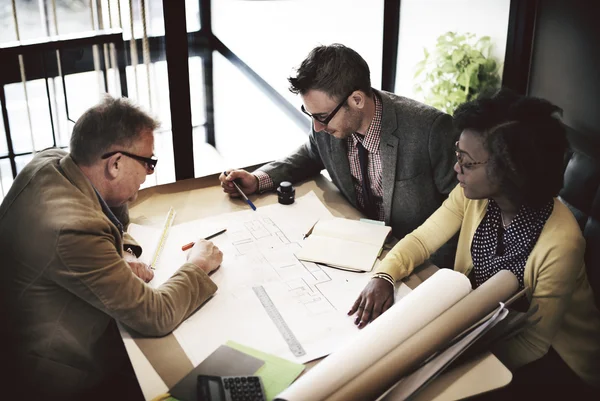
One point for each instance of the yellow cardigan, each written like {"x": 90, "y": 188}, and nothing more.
{"x": 554, "y": 272}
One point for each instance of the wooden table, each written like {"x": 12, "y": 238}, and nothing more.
{"x": 202, "y": 197}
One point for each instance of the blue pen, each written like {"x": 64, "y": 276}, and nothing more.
{"x": 248, "y": 201}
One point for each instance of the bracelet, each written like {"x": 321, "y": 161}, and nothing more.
{"x": 386, "y": 277}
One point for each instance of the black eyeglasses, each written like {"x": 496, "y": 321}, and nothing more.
{"x": 327, "y": 119}
{"x": 461, "y": 163}
{"x": 150, "y": 162}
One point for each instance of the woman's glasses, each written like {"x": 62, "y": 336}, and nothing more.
{"x": 460, "y": 159}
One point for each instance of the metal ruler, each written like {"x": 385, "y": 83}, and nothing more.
{"x": 163, "y": 237}
{"x": 281, "y": 325}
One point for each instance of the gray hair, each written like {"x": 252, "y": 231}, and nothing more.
{"x": 114, "y": 121}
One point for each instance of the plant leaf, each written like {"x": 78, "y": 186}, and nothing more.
{"x": 457, "y": 56}
{"x": 458, "y": 68}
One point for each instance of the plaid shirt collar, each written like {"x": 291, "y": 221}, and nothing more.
{"x": 372, "y": 138}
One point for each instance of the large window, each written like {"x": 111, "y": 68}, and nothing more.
{"x": 239, "y": 56}
{"x": 273, "y": 37}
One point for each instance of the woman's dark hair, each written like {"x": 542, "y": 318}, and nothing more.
{"x": 526, "y": 142}
{"x": 336, "y": 70}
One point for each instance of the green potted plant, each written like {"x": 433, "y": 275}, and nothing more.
{"x": 457, "y": 70}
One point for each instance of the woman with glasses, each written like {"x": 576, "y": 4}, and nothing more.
{"x": 510, "y": 169}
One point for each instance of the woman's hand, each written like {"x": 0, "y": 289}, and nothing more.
{"x": 375, "y": 298}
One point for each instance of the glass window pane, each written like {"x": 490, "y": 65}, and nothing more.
{"x": 243, "y": 135}
{"x": 155, "y": 25}
{"x": 21, "y": 161}
{"x": 28, "y": 17}
{"x": 18, "y": 117}
{"x": 192, "y": 15}
{"x": 273, "y": 37}
{"x": 197, "y": 92}
{"x": 36, "y": 19}
{"x": 3, "y": 145}
{"x": 72, "y": 17}
{"x": 6, "y": 177}
{"x": 83, "y": 91}
{"x": 165, "y": 169}
{"x": 422, "y": 22}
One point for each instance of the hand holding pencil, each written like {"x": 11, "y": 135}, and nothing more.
{"x": 191, "y": 244}
{"x": 205, "y": 255}
{"x": 239, "y": 183}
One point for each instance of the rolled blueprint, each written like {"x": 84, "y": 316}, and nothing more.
{"x": 409, "y": 315}
{"x": 377, "y": 378}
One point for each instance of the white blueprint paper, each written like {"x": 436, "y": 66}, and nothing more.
{"x": 258, "y": 250}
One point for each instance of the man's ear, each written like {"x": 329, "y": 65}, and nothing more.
{"x": 114, "y": 165}
{"x": 358, "y": 99}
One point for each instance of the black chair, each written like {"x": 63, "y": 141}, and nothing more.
{"x": 581, "y": 193}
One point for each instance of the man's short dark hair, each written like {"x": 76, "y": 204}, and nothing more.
{"x": 526, "y": 142}
{"x": 336, "y": 70}
{"x": 114, "y": 121}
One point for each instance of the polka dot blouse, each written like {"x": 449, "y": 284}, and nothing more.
{"x": 496, "y": 248}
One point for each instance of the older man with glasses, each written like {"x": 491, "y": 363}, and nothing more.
{"x": 390, "y": 156}
{"x": 70, "y": 270}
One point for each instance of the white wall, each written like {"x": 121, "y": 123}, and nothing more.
{"x": 422, "y": 21}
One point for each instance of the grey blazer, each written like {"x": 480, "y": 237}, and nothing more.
{"x": 417, "y": 157}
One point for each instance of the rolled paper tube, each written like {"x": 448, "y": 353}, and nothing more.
{"x": 380, "y": 376}
{"x": 406, "y": 317}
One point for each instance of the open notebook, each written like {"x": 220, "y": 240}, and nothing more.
{"x": 344, "y": 243}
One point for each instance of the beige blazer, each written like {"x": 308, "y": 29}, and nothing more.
{"x": 64, "y": 281}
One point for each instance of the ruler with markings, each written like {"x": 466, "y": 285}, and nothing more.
{"x": 163, "y": 237}
{"x": 281, "y": 325}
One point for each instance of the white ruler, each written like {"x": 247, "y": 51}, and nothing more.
{"x": 163, "y": 237}
{"x": 281, "y": 325}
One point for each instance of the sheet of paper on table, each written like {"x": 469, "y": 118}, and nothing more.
{"x": 258, "y": 250}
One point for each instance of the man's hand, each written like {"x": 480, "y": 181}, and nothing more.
{"x": 205, "y": 255}
{"x": 247, "y": 182}
{"x": 138, "y": 268}
{"x": 375, "y": 298}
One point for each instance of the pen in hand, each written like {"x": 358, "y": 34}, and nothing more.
{"x": 248, "y": 201}
{"x": 191, "y": 244}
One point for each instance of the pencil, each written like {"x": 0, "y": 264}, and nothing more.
{"x": 191, "y": 244}
{"x": 248, "y": 201}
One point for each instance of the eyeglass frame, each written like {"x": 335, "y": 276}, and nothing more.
{"x": 150, "y": 162}
{"x": 459, "y": 157}
{"x": 332, "y": 114}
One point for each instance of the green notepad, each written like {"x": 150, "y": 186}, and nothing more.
{"x": 276, "y": 374}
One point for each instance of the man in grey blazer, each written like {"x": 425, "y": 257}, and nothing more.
{"x": 390, "y": 156}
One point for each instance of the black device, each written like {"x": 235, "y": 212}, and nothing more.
{"x": 286, "y": 193}
{"x": 230, "y": 388}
